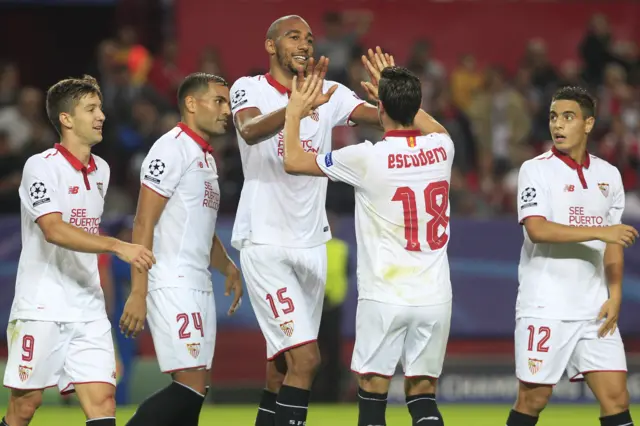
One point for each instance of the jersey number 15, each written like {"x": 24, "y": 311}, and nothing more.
{"x": 437, "y": 211}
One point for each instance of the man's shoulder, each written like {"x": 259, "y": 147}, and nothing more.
{"x": 248, "y": 81}
{"x": 604, "y": 165}
{"x": 101, "y": 163}
{"x": 41, "y": 159}
{"x": 539, "y": 162}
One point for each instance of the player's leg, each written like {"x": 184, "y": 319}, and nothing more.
{"x": 602, "y": 363}
{"x": 285, "y": 321}
{"x": 177, "y": 319}
{"x": 380, "y": 335}
{"x": 422, "y": 358}
{"x": 90, "y": 371}
{"x": 542, "y": 352}
{"x": 36, "y": 354}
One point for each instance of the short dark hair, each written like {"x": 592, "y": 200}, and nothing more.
{"x": 579, "y": 95}
{"x": 65, "y": 95}
{"x": 197, "y": 82}
{"x": 400, "y": 92}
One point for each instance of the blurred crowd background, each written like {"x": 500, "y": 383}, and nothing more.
{"x": 497, "y": 117}
{"x": 488, "y": 70}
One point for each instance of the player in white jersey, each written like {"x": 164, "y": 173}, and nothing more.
{"x": 281, "y": 226}
{"x": 402, "y": 228}
{"x": 58, "y": 333}
{"x": 176, "y": 215}
{"x": 571, "y": 267}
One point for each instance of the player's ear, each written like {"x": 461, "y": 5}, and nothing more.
{"x": 190, "y": 104}
{"x": 65, "y": 120}
{"x": 589, "y": 123}
{"x": 270, "y": 46}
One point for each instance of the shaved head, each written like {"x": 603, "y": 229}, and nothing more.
{"x": 274, "y": 28}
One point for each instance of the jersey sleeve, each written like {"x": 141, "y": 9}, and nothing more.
{"x": 345, "y": 101}
{"x": 348, "y": 164}
{"x": 39, "y": 192}
{"x": 618, "y": 199}
{"x": 533, "y": 199}
{"x": 244, "y": 94}
{"x": 163, "y": 167}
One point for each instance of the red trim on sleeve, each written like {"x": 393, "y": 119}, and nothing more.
{"x": 533, "y": 215}
{"x": 242, "y": 109}
{"x": 151, "y": 189}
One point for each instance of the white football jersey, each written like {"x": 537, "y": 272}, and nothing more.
{"x": 180, "y": 167}
{"x": 566, "y": 281}
{"x": 277, "y": 208}
{"x": 53, "y": 283}
{"x": 402, "y": 215}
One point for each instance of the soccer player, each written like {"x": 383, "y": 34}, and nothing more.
{"x": 571, "y": 265}
{"x": 177, "y": 211}
{"x": 281, "y": 226}
{"x": 402, "y": 228}
{"x": 58, "y": 333}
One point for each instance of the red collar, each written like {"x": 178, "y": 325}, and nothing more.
{"x": 75, "y": 163}
{"x": 197, "y": 138}
{"x": 279, "y": 87}
{"x": 570, "y": 161}
{"x": 402, "y": 134}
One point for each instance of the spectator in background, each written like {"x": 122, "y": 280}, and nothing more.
{"x": 9, "y": 84}
{"x": 570, "y": 74}
{"x": 210, "y": 62}
{"x": 342, "y": 32}
{"x": 595, "y": 49}
{"x": 626, "y": 53}
{"x": 501, "y": 125}
{"x": 613, "y": 95}
{"x": 165, "y": 75}
{"x": 328, "y": 383}
{"x": 543, "y": 75}
{"x": 466, "y": 81}
{"x": 19, "y": 121}
{"x": 10, "y": 174}
{"x": 133, "y": 54}
{"x": 621, "y": 148}
{"x": 431, "y": 72}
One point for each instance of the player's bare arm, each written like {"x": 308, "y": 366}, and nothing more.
{"x": 374, "y": 63}
{"x": 221, "y": 261}
{"x": 613, "y": 268}
{"x": 150, "y": 207}
{"x": 57, "y": 231}
{"x": 541, "y": 230}
{"x": 296, "y": 160}
{"x": 255, "y": 127}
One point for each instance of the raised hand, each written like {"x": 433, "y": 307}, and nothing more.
{"x": 374, "y": 63}
{"x": 303, "y": 97}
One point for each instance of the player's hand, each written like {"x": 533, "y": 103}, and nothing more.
{"x": 611, "y": 311}
{"x": 320, "y": 70}
{"x": 623, "y": 235}
{"x": 133, "y": 316}
{"x": 233, "y": 284}
{"x": 303, "y": 97}
{"x": 374, "y": 63}
{"x": 139, "y": 256}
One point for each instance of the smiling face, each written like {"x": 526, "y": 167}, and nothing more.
{"x": 291, "y": 45}
{"x": 568, "y": 126}
{"x": 86, "y": 119}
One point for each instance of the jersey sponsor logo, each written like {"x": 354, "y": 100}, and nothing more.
{"x": 527, "y": 196}
{"x": 80, "y": 220}
{"x": 578, "y": 217}
{"x": 604, "y": 188}
{"x": 287, "y": 328}
{"x": 155, "y": 171}
{"x": 38, "y": 193}
{"x": 534, "y": 365}
{"x": 307, "y": 145}
{"x": 211, "y": 197}
{"x": 328, "y": 159}
{"x": 24, "y": 372}
{"x": 238, "y": 98}
{"x": 193, "y": 349}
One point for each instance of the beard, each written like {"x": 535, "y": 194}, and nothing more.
{"x": 287, "y": 63}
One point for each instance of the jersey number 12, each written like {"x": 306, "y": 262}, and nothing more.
{"x": 438, "y": 212}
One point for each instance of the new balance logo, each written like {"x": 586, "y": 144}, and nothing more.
{"x": 74, "y": 189}
{"x": 431, "y": 418}
{"x": 569, "y": 188}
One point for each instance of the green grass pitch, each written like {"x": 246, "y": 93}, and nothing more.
{"x": 346, "y": 415}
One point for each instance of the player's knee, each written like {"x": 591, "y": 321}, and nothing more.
{"x": 373, "y": 383}
{"x": 25, "y": 406}
{"x": 419, "y": 385}
{"x": 532, "y": 399}
{"x": 615, "y": 400}
{"x": 195, "y": 380}
{"x": 304, "y": 361}
{"x": 103, "y": 404}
